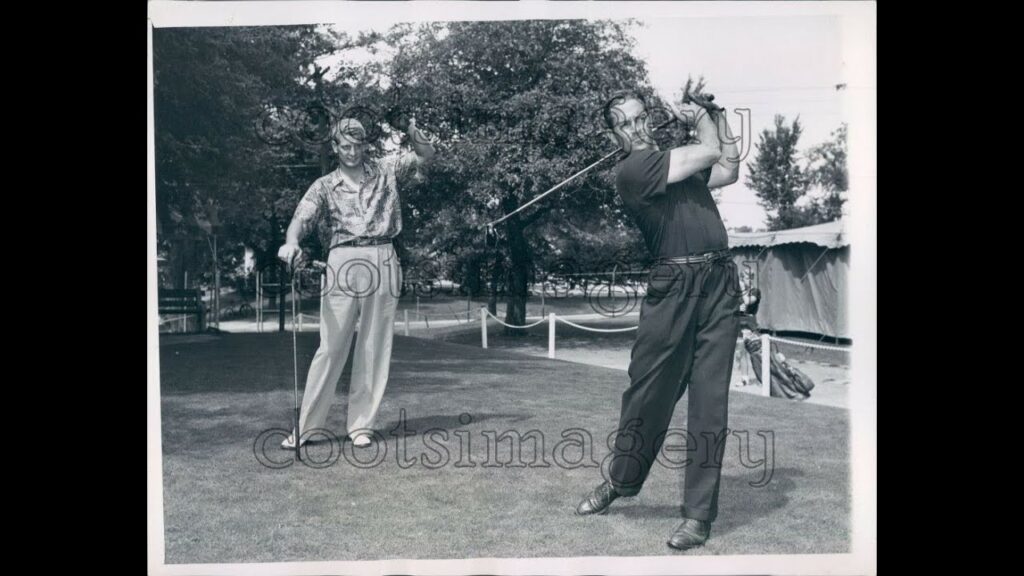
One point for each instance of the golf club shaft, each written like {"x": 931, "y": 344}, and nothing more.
{"x": 569, "y": 179}
{"x": 295, "y": 364}
{"x": 556, "y": 187}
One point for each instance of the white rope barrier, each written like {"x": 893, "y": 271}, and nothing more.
{"x": 809, "y": 344}
{"x": 766, "y": 366}
{"x": 510, "y": 325}
{"x": 422, "y": 315}
{"x": 553, "y": 319}
{"x": 182, "y": 318}
{"x": 589, "y": 329}
{"x": 425, "y": 318}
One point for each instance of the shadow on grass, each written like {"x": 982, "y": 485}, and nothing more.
{"x": 740, "y": 503}
{"x": 264, "y": 363}
{"x": 416, "y": 426}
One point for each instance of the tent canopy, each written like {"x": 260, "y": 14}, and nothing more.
{"x": 827, "y": 235}
{"x": 802, "y": 274}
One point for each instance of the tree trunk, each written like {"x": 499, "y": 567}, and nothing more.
{"x": 471, "y": 281}
{"x": 272, "y": 273}
{"x": 519, "y": 254}
{"x": 176, "y": 262}
{"x": 492, "y": 300}
{"x": 325, "y": 159}
{"x": 282, "y": 287}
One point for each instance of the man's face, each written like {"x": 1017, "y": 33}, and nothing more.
{"x": 350, "y": 148}
{"x": 630, "y": 124}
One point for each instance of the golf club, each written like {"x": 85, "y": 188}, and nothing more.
{"x": 691, "y": 94}
{"x": 295, "y": 360}
{"x": 296, "y": 410}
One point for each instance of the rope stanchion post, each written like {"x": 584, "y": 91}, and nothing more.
{"x": 551, "y": 335}
{"x": 483, "y": 326}
{"x": 766, "y": 365}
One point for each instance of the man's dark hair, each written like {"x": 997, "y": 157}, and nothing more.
{"x": 615, "y": 100}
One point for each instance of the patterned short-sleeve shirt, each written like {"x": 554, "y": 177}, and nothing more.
{"x": 341, "y": 212}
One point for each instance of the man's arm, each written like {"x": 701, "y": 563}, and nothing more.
{"x": 306, "y": 214}
{"x": 297, "y": 229}
{"x": 727, "y": 170}
{"x": 685, "y": 161}
{"x": 423, "y": 150}
{"x": 421, "y": 144}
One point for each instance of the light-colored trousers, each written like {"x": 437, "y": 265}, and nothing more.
{"x": 363, "y": 283}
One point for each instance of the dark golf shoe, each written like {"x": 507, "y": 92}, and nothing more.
{"x": 598, "y": 500}
{"x": 690, "y": 534}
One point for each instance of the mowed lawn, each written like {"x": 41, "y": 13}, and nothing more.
{"x": 221, "y": 505}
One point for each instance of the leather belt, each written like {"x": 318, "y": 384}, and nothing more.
{"x": 699, "y": 258}
{"x": 364, "y": 242}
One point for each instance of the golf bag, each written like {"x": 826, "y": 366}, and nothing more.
{"x": 787, "y": 381}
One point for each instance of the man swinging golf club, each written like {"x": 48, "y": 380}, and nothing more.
{"x": 688, "y": 323}
{"x": 359, "y": 205}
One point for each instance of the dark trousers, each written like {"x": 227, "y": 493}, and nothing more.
{"x": 686, "y": 339}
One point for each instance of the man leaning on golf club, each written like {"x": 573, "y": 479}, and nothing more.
{"x": 359, "y": 202}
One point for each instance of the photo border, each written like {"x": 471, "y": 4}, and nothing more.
{"x": 858, "y": 23}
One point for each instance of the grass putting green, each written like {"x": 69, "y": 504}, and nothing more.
{"x": 221, "y": 505}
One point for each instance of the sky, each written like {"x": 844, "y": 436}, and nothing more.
{"x": 787, "y": 65}
{"x": 771, "y": 65}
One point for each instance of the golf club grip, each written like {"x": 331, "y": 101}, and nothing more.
{"x": 708, "y": 103}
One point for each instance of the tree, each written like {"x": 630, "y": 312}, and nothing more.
{"x": 826, "y": 167}
{"x": 216, "y": 92}
{"x": 777, "y": 178}
{"x": 516, "y": 108}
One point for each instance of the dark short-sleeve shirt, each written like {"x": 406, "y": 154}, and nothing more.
{"x": 678, "y": 219}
